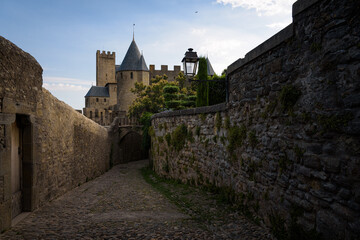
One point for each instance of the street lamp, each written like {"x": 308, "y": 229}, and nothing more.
{"x": 190, "y": 62}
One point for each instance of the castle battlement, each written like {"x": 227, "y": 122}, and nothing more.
{"x": 105, "y": 54}
{"x": 177, "y": 68}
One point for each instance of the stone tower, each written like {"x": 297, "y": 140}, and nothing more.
{"x": 132, "y": 69}
{"x": 105, "y": 68}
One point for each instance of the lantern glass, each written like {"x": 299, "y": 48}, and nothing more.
{"x": 190, "y": 63}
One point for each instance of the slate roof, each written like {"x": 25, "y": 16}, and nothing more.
{"x": 210, "y": 70}
{"x": 133, "y": 60}
{"x": 98, "y": 92}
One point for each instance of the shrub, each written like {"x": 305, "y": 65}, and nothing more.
{"x": 288, "y": 96}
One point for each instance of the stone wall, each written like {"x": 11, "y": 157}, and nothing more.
{"x": 73, "y": 149}
{"x": 171, "y": 74}
{"x": 59, "y": 147}
{"x": 287, "y": 144}
{"x": 105, "y": 68}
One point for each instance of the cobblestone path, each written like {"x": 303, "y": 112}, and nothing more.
{"x": 121, "y": 205}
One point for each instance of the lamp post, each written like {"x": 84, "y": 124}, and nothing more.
{"x": 190, "y": 62}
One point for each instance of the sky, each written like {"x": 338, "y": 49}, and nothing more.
{"x": 63, "y": 35}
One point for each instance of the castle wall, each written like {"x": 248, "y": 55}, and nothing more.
{"x": 97, "y": 102}
{"x": 105, "y": 68}
{"x": 172, "y": 74}
{"x": 113, "y": 94}
{"x": 99, "y": 115}
{"x": 125, "y": 83}
{"x": 286, "y": 146}
{"x": 60, "y": 148}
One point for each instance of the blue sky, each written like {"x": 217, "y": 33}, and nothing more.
{"x": 63, "y": 35}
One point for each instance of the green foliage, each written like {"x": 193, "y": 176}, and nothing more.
{"x": 202, "y": 117}
{"x": 227, "y": 122}
{"x": 299, "y": 152}
{"x": 181, "y": 79}
{"x": 173, "y": 104}
{"x": 171, "y": 89}
{"x": 190, "y": 136}
{"x": 288, "y": 97}
{"x": 145, "y": 121}
{"x": 218, "y": 122}
{"x": 315, "y": 47}
{"x": 237, "y": 135}
{"x": 252, "y": 138}
{"x": 269, "y": 109}
{"x": 148, "y": 98}
{"x": 334, "y": 122}
{"x": 179, "y": 136}
{"x": 197, "y": 130}
{"x": 283, "y": 162}
{"x": 203, "y": 87}
{"x": 160, "y": 139}
{"x": 217, "y": 91}
{"x": 152, "y": 98}
{"x": 168, "y": 138}
{"x": 278, "y": 227}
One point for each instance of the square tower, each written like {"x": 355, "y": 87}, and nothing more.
{"x": 105, "y": 68}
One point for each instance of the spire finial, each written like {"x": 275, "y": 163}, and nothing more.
{"x": 134, "y": 32}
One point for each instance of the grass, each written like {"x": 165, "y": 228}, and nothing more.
{"x": 206, "y": 205}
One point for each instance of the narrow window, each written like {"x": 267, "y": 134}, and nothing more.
{"x": 131, "y": 75}
{"x": 104, "y": 99}
{"x": 101, "y": 116}
{"x": 90, "y": 114}
{"x": 121, "y": 75}
{"x": 97, "y": 100}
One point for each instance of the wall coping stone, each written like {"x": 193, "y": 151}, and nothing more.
{"x": 302, "y": 5}
{"x": 264, "y": 47}
{"x": 272, "y": 42}
{"x": 192, "y": 111}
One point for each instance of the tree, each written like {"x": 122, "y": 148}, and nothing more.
{"x": 203, "y": 87}
{"x": 148, "y": 98}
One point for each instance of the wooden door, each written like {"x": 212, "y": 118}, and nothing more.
{"x": 16, "y": 170}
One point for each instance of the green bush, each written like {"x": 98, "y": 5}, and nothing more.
{"x": 171, "y": 89}
{"x": 288, "y": 97}
{"x": 170, "y": 96}
{"x": 173, "y": 104}
{"x": 237, "y": 135}
{"x": 179, "y": 136}
{"x": 145, "y": 120}
{"x": 203, "y": 87}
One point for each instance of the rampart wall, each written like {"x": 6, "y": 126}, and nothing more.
{"x": 58, "y": 148}
{"x": 171, "y": 74}
{"x": 286, "y": 146}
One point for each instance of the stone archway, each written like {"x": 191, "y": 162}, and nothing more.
{"x": 130, "y": 147}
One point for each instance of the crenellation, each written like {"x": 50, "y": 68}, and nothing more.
{"x": 171, "y": 74}
{"x": 105, "y": 54}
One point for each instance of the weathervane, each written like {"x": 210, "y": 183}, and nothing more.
{"x": 133, "y": 31}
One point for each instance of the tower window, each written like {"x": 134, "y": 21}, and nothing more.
{"x": 131, "y": 75}
{"x": 90, "y": 114}
{"x": 104, "y": 99}
{"x": 97, "y": 100}
{"x": 121, "y": 75}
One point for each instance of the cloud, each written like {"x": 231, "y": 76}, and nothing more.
{"x": 64, "y": 87}
{"x": 64, "y": 80}
{"x": 266, "y": 7}
{"x": 278, "y": 25}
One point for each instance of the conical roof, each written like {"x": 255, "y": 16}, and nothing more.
{"x": 133, "y": 60}
{"x": 210, "y": 70}
{"x": 142, "y": 64}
